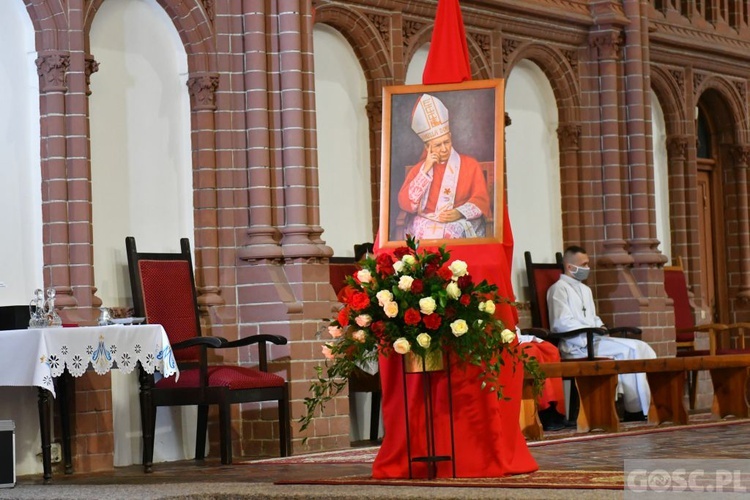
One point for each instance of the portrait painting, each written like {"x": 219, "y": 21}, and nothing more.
{"x": 442, "y": 163}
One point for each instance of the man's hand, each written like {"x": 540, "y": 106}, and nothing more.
{"x": 449, "y": 215}
{"x": 430, "y": 161}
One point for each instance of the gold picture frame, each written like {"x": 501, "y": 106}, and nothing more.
{"x": 476, "y": 119}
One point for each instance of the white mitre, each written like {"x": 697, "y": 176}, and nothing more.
{"x": 429, "y": 118}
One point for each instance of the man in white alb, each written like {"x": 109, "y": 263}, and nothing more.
{"x": 571, "y": 306}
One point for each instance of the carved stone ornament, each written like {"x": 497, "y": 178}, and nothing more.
{"x": 91, "y": 66}
{"x": 508, "y": 121}
{"x": 202, "y": 90}
{"x": 607, "y": 43}
{"x": 484, "y": 43}
{"x": 741, "y": 89}
{"x": 208, "y": 5}
{"x": 677, "y": 146}
{"x": 52, "y": 69}
{"x": 741, "y": 156}
{"x": 410, "y": 28}
{"x": 678, "y": 76}
{"x": 383, "y": 25}
{"x": 375, "y": 113}
{"x": 509, "y": 46}
{"x": 697, "y": 82}
{"x": 569, "y": 136}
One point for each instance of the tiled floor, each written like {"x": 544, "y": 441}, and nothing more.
{"x": 608, "y": 452}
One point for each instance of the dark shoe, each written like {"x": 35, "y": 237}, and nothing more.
{"x": 570, "y": 423}
{"x": 636, "y": 416}
{"x": 551, "y": 420}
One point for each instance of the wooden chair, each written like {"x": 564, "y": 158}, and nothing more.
{"x": 721, "y": 338}
{"x": 163, "y": 290}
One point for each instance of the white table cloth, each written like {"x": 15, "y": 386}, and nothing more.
{"x": 33, "y": 357}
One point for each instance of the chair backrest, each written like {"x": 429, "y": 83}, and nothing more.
{"x": 675, "y": 285}
{"x": 541, "y": 277}
{"x": 164, "y": 293}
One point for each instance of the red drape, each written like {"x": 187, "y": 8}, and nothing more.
{"x": 488, "y": 439}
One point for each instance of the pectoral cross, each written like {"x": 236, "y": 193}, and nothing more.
{"x": 583, "y": 308}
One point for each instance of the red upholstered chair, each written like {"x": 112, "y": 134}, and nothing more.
{"x": 723, "y": 339}
{"x": 164, "y": 293}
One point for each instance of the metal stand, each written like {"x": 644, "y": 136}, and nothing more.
{"x": 431, "y": 459}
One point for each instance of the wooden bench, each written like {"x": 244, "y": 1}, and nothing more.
{"x": 597, "y": 383}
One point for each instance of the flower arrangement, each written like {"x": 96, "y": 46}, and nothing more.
{"x": 417, "y": 302}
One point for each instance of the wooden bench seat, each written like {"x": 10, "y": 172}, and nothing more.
{"x": 597, "y": 383}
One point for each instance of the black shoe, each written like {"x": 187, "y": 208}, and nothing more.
{"x": 570, "y": 423}
{"x": 551, "y": 420}
{"x": 636, "y": 416}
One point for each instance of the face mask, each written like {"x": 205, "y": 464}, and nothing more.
{"x": 580, "y": 273}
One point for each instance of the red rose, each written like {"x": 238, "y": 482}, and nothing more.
{"x": 378, "y": 328}
{"x": 465, "y": 300}
{"x": 343, "y": 317}
{"x": 359, "y": 301}
{"x": 385, "y": 263}
{"x": 450, "y": 312}
{"x": 464, "y": 282}
{"x": 412, "y": 316}
{"x": 445, "y": 273}
{"x": 401, "y": 251}
{"x": 432, "y": 321}
{"x": 430, "y": 269}
{"x": 417, "y": 286}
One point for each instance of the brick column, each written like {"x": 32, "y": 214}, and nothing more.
{"x": 202, "y": 88}
{"x": 742, "y": 163}
{"x": 52, "y": 67}
{"x": 91, "y": 66}
{"x": 606, "y": 45}
{"x": 677, "y": 149}
{"x": 569, "y": 139}
{"x": 375, "y": 119}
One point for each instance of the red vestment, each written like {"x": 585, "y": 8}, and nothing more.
{"x": 545, "y": 352}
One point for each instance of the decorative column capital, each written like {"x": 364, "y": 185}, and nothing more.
{"x": 677, "y": 146}
{"x": 741, "y": 155}
{"x": 91, "y": 66}
{"x": 374, "y": 110}
{"x": 202, "y": 90}
{"x": 569, "y": 136}
{"x": 607, "y": 43}
{"x": 508, "y": 121}
{"x": 52, "y": 68}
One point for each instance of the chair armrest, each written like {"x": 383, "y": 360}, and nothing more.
{"x": 197, "y": 341}
{"x": 625, "y": 331}
{"x": 542, "y": 333}
{"x": 253, "y": 339}
{"x": 590, "y": 332}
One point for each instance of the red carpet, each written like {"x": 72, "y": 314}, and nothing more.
{"x": 549, "y": 479}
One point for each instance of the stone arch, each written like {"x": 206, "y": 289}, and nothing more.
{"x": 481, "y": 68}
{"x": 560, "y": 73}
{"x": 193, "y": 25}
{"x": 729, "y": 106}
{"x": 670, "y": 93}
{"x": 365, "y": 40}
{"x": 419, "y": 38}
{"x": 50, "y": 24}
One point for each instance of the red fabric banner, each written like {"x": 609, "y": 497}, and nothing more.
{"x": 488, "y": 440}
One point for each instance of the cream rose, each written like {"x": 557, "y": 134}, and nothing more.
{"x": 360, "y": 336}
{"x": 487, "y": 306}
{"x": 458, "y": 268}
{"x": 453, "y": 291}
{"x": 384, "y": 296}
{"x": 335, "y": 331}
{"x": 363, "y": 320}
{"x": 364, "y": 276}
{"x": 409, "y": 260}
{"x": 459, "y": 327}
{"x": 427, "y": 305}
{"x": 398, "y": 266}
{"x": 404, "y": 283}
{"x": 390, "y": 309}
{"x": 424, "y": 340}
{"x": 508, "y": 336}
{"x": 401, "y": 345}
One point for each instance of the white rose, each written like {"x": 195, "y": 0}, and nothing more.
{"x": 404, "y": 283}
{"x": 335, "y": 331}
{"x": 507, "y": 336}
{"x": 363, "y": 320}
{"x": 409, "y": 259}
{"x": 364, "y": 276}
{"x": 384, "y": 296}
{"x": 453, "y": 291}
{"x": 458, "y": 268}
{"x": 427, "y": 305}
{"x": 459, "y": 327}
{"x": 398, "y": 266}
{"x": 391, "y": 309}
{"x": 401, "y": 345}
{"x": 359, "y": 336}
{"x": 424, "y": 340}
